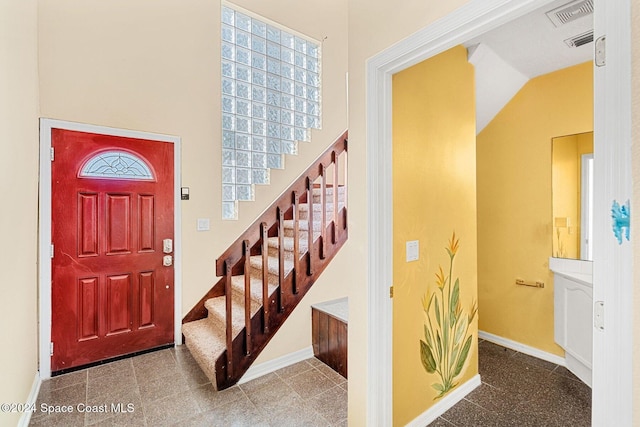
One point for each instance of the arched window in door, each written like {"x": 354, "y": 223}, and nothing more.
{"x": 116, "y": 164}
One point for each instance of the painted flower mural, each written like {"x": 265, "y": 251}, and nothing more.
{"x": 447, "y": 339}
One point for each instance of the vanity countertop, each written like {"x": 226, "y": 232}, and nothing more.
{"x": 575, "y": 269}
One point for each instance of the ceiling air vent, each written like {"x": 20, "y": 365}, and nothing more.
{"x": 570, "y": 12}
{"x": 580, "y": 39}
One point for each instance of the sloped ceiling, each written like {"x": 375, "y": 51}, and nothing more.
{"x": 505, "y": 58}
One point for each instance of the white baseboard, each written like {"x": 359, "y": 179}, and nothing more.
{"x": 31, "y": 401}
{"x": 256, "y": 371}
{"x": 446, "y": 403}
{"x": 522, "y": 348}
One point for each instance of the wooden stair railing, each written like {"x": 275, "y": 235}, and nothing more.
{"x": 322, "y": 177}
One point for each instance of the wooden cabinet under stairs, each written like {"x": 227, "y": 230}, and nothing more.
{"x": 235, "y": 320}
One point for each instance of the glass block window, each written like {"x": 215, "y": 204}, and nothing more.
{"x": 116, "y": 165}
{"x": 270, "y": 100}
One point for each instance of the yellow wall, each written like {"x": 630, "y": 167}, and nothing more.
{"x": 153, "y": 65}
{"x": 433, "y": 195}
{"x": 19, "y": 192}
{"x": 514, "y": 203}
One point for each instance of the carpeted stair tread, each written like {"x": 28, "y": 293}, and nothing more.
{"x": 317, "y": 211}
{"x": 206, "y": 342}
{"x": 317, "y": 207}
{"x": 317, "y": 192}
{"x": 273, "y": 265}
{"x": 303, "y": 234}
{"x": 217, "y": 311}
{"x": 303, "y": 225}
{"x": 237, "y": 283}
{"x": 274, "y": 243}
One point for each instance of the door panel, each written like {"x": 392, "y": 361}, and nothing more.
{"x": 112, "y": 206}
{"x": 88, "y": 308}
{"x": 119, "y": 304}
{"x": 146, "y": 227}
{"x": 118, "y": 224}
{"x": 146, "y": 299}
{"x": 88, "y": 224}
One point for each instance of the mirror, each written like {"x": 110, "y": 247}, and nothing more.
{"x": 572, "y": 188}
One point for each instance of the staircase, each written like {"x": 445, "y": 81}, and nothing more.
{"x": 265, "y": 273}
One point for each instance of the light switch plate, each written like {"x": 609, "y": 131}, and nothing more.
{"x": 413, "y": 250}
{"x": 203, "y": 224}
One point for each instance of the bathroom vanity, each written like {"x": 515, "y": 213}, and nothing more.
{"x": 573, "y": 308}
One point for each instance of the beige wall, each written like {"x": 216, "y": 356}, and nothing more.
{"x": 635, "y": 160}
{"x": 19, "y": 191}
{"x": 153, "y": 65}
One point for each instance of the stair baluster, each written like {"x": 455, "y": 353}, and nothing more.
{"x": 265, "y": 277}
{"x": 247, "y": 296}
{"x": 310, "y": 226}
{"x": 334, "y": 230}
{"x": 345, "y": 160}
{"x": 323, "y": 214}
{"x": 296, "y": 240}
{"x": 281, "y": 271}
{"x": 229, "y": 334}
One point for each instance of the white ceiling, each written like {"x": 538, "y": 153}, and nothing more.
{"x": 519, "y": 50}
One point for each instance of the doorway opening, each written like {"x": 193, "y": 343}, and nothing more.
{"x": 612, "y": 132}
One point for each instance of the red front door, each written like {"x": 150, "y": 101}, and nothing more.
{"x": 112, "y": 231}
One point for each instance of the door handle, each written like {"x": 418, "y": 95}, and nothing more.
{"x": 167, "y": 246}
{"x": 167, "y": 260}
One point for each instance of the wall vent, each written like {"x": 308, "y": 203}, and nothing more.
{"x": 570, "y": 12}
{"x": 580, "y": 39}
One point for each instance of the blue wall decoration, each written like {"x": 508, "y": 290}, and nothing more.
{"x": 621, "y": 222}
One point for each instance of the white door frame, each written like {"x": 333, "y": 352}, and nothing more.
{"x": 612, "y": 361}
{"x": 44, "y": 225}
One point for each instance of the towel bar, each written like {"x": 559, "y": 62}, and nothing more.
{"x": 536, "y": 284}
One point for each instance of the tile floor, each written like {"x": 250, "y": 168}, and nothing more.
{"x": 168, "y": 388}
{"x": 520, "y": 390}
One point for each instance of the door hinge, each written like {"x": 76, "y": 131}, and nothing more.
{"x": 51, "y": 349}
{"x": 51, "y": 250}
{"x": 390, "y": 291}
{"x": 598, "y": 315}
{"x": 600, "y": 51}
{"x": 52, "y": 152}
